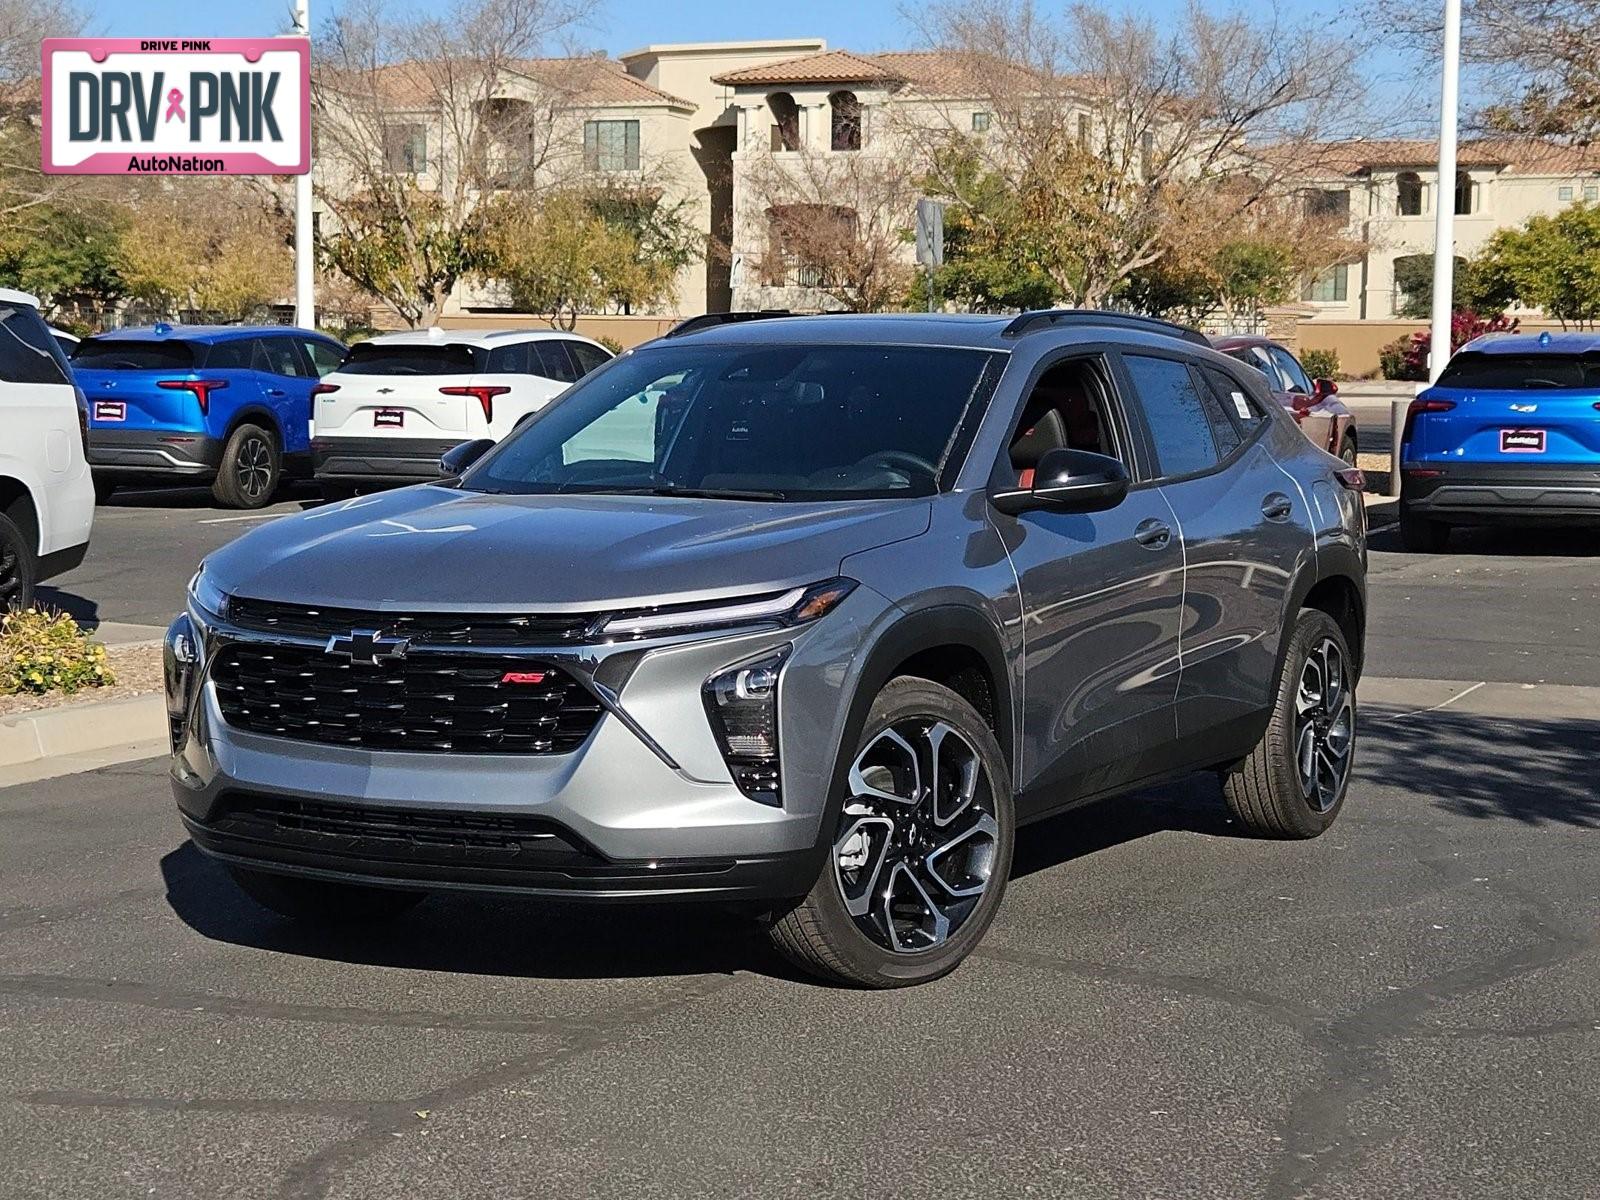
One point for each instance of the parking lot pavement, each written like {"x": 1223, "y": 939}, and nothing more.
{"x": 1406, "y": 1006}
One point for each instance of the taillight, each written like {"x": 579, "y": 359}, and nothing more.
{"x": 202, "y": 389}
{"x": 1419, "y": 405}
{"x": 83, "y": 419}
{"x": 484, "y": 393}
{"x": 320, "y": 389}
{"x": 1352, "y": 479}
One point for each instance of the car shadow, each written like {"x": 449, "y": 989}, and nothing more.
{"x": 178, "y": 496}
{"x": 81, "y": 609}
{"x": 1507, "y": 541}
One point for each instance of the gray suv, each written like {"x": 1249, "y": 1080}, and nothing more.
{"x": 804, "y": 613}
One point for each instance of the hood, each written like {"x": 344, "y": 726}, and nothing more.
{"x": 434, "y": 548}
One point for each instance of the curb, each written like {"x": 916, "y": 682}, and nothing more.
{"x": 82, "y": 728}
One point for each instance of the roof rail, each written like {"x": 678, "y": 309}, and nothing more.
{"x": 710, "y": 320}
{"x": 1045, "y": 318}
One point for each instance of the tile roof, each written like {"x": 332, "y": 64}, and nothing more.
{"x": 1521, "y": 156}
{"x": 828, "y": 66}
{"x": 935, "y": 72}
{"x": 584, "y": 80}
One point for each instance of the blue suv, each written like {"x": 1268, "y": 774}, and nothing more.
{"x": 1509, "y": 434}
{"x": 224, "y": 405}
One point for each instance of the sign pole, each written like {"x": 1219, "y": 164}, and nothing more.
{"x": 305, "y": 283}
{"x": 1444, "y": 261}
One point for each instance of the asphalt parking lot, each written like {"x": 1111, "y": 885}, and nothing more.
{"x": 1407, "y": 1006}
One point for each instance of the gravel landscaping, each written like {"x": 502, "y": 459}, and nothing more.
{"x": 137, "y": 670}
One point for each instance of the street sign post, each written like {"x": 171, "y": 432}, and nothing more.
{"x": 930, "y": 240}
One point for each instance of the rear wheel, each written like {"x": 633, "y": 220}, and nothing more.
{"x": 1420, "y": 535}
{"x": 918, "y": 859}
{"x": 18, "y": 568}
{"x": 1293, "y": 783}
{"x": 250, "y": 469}
{"x": 320, "y": 900}
{"x": 1348, "y": 451}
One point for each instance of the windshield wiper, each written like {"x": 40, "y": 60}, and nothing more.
{"x": 717, "y": 493}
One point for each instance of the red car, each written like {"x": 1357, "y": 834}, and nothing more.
{"x": 1317, "y": 409}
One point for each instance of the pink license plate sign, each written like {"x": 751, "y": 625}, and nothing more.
{"x": 170, "y": 106}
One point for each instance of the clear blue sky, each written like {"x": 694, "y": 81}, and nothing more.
{"x": 622, "y": 25}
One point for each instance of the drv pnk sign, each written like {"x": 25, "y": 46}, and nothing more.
{"x": 147, "y": 106}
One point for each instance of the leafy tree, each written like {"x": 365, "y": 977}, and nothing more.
{"x": 987, "y": 267}
{"x": 68, "y": 258}
{"x": 560, "y": 258}
{"x": 208, "y": 255}
{"x": 1552, "y": 263}
{"x": 1413, "y": 281}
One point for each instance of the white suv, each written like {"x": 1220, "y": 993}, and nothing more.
{"x": 399, "y": 401}
{"x": 46, "y": 494}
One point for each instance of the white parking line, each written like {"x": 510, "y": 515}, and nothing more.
{"x": 1432, "y": 708}
{"x": 246, "y": 517}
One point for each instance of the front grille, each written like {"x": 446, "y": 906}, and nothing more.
{"x": 433, "y": 629}
{"x": 422, "y": 702}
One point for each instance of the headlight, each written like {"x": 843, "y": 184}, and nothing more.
{"x": 798, "y": 606}
{"x": 742, "y": 704}
{"x": 181, "y": 667}
{"x": 206, "y": 596}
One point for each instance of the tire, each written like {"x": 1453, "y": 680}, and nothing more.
{"x": 19, "y": 569}
{"x": 860, "y": 942}
{"x": 332, "y": 493}
{"x": 319, "y": 900}
{"x": 1420, "y": 535}
{"x": 1348, "y": 451}
{"x": 250, "y": 470}
{"x": 104, "y": 489}
{"x": 1267, "y": 789}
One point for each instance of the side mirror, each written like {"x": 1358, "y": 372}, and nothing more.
{"x": 1322, "y": 388}
{"x": 1068, "y": 481}
{"x": 459, "y": 458}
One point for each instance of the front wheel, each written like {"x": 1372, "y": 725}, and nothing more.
{"x": 320, "y": 900}
{"x": 250, "y": 469}
{"x": 919, "y": 855}
{"x": 1293, "y": 783}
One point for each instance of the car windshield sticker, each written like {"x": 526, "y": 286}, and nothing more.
{"x": 1240, "y": 406}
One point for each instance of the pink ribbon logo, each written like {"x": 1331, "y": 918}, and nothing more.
{"x": 175, "y": 105}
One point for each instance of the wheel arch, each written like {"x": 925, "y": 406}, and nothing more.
{"x": 18, "y": 504}
{"x": 255, "y": 414}
{"x": 1335, "y": 588}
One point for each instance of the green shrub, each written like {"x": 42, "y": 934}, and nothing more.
{"x": 610, "y": 343}
{"x": 46, "y": 652}
{"x": 1321, "y": 364}
{"x": 1393, "y": 359}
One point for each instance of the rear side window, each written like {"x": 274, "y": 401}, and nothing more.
{"x": 119, "y": 354}
{"x": 1176, "y": 414}
{"x": 28, "y": 354}
{"x": 1521, "y": 372}
{"x": 509, "y": 360}
{"x": 1235, "y": 401}
{"x": 375, "y": 358}
{"x": 552, "y": 361}
{"x": 281, "y": 358}
{"x": 324, "y": 356}
{"x": 1224, "y": 432}
{"x": 235, "y": 354}
{"x": 589, "y": 357}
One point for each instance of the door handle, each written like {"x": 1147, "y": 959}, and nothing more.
{"x": 275, "y": 392}
{"x": 1277, "y": 507}
{"x": 1153, "y": 534}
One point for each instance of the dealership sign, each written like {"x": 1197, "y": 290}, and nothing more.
{"x": 145, "y": 106}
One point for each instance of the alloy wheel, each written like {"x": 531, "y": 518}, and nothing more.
{"x": 918, "y": 836}
{"x": 253, "y": 468}
{"x": 1324, "y": 726}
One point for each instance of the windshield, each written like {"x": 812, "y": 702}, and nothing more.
{"x": 378, "y": 358}
{"x": 1520, "y": 372}
{"x": 750, "y": 422}
{"x": 113, "y": 354}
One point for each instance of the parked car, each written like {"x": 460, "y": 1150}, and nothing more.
{"x": 808, "y": 614}
{"x": 1314, "y": 403}
{"x": 67, "y": 342}
{"x": 401, "y": 400}
{"x": 227, "y": 405}
{"x": 46, "y": 496}
{"x": 1510, "y": 434}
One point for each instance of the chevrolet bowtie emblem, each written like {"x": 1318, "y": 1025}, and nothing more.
{"x": 368, "y": 647}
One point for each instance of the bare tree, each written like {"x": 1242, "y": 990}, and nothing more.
{"x": 24, "y": 187}
{"x": 418, "y": 117}
{"x": 1109, "y": 134}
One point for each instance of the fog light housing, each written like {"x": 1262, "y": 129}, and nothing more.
{"x": 742, "y": 705}
{"x": 181, "y": 667}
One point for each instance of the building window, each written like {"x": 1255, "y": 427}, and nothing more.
{"x": 1332, "y": 286}
{"x": 846, "y": 121}
{"x": 1329, "y": 203}
{"x": 405, "y": 149}
{"x": 1591, "y": 192}
{"x": 1408, "y": 202}
{"x": 1564, "y": 193}
{"x": 980, "y": 122}
{"x": 1085, "y": 131}
{"x": 1463, "y": 193}
{"x": 785, "y": 121}
{"x": 611, "y": 145}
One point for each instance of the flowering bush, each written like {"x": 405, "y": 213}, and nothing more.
{"x": 1407, "y": 357}
{"x": 47, "y": 652}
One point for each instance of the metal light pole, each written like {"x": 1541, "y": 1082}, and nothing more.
{"x": 305, "y": 293}
{"x": 1444, "y": 239}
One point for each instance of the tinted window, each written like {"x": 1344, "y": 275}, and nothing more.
{"x": 1291, "y": 371}
{"x": 509, "y": 360}
{"x": 552, "y": 361}
{"x": 282, "y": 358}
{"x": 114, "y": 354}
{"x": 324, "y": 356}
{"x": 1234, "y": 399}
{"x": 1520, "y": 372}
{"x": 589, "y": 357}
{"x": 1224, "y": 432}
{"x": 375, "y": 358}
{"x": 1176, "y": 414}
{"x": 235, "y": 354}
{"x": 28, "y": 354}
{"x": 789, "y": 422}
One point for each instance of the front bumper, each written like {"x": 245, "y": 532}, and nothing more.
{"x": 645, "y": 807}
{"x": 1467, "y": 493}
{"x": 153, "y": 453}
{"x": 378, "y": 460}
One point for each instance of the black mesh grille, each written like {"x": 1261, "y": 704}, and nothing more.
{"x": 434, "y": 629}
{"x": 423, "y": 702}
